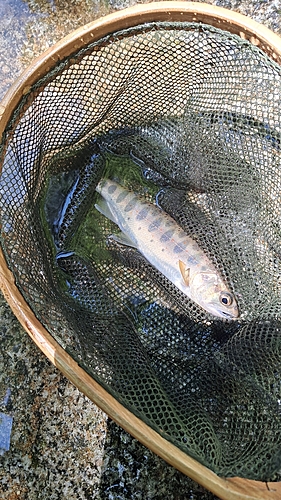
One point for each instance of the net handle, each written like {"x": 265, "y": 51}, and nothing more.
{"x": 226, "y": 489}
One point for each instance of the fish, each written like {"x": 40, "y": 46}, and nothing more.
{"x": 166, "y": 246}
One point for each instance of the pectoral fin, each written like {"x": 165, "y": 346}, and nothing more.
{"x": 185, "y": 272}
{"x": 123, "y": 239}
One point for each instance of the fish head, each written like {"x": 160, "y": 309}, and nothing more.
{"x": 209, "y": 291}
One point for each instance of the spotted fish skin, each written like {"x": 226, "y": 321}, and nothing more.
{"x": 159, "y": 238}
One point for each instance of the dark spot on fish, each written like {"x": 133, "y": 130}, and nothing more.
{"x": 111, "y": 188}
{"x": 131, "y": 205}
{"x": 142, "y": 214}
{"x": 186, "y": 242}
{"x": 154, "y": 225}
{"x": 167, "y": 236}
{"x": 121, "y": 196}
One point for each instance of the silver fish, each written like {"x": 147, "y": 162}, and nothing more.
{"x": 167, "y": 247}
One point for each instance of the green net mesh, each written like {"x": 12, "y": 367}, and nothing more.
{"x": 188, "y": 117}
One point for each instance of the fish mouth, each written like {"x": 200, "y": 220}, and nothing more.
{"x": 231, "y": 314}
{"x": 224, "y": 314}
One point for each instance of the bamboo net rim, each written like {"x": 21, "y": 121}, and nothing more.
{"x": 246, "y": 28}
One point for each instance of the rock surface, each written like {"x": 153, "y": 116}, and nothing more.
{"x": 62, "y": 446}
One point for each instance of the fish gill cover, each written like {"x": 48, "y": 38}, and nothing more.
{"x": 188, "y": 118}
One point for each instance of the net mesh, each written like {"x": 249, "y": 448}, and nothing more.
{"x": 187, "y": 116}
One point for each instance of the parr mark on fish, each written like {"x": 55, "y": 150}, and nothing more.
{"x": 142, "y": 214}
{"x": 167, "y": 235}
{"x": 154, "y": 225}
{"x": 132, "y": 203}
{"x": 111, "y": 189}
{"x": 121, "y": 196}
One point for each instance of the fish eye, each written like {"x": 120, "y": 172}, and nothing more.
{"x": 226, "y": 299}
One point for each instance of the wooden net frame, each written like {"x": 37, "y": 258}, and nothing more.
{"x": 225, "y": 488}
